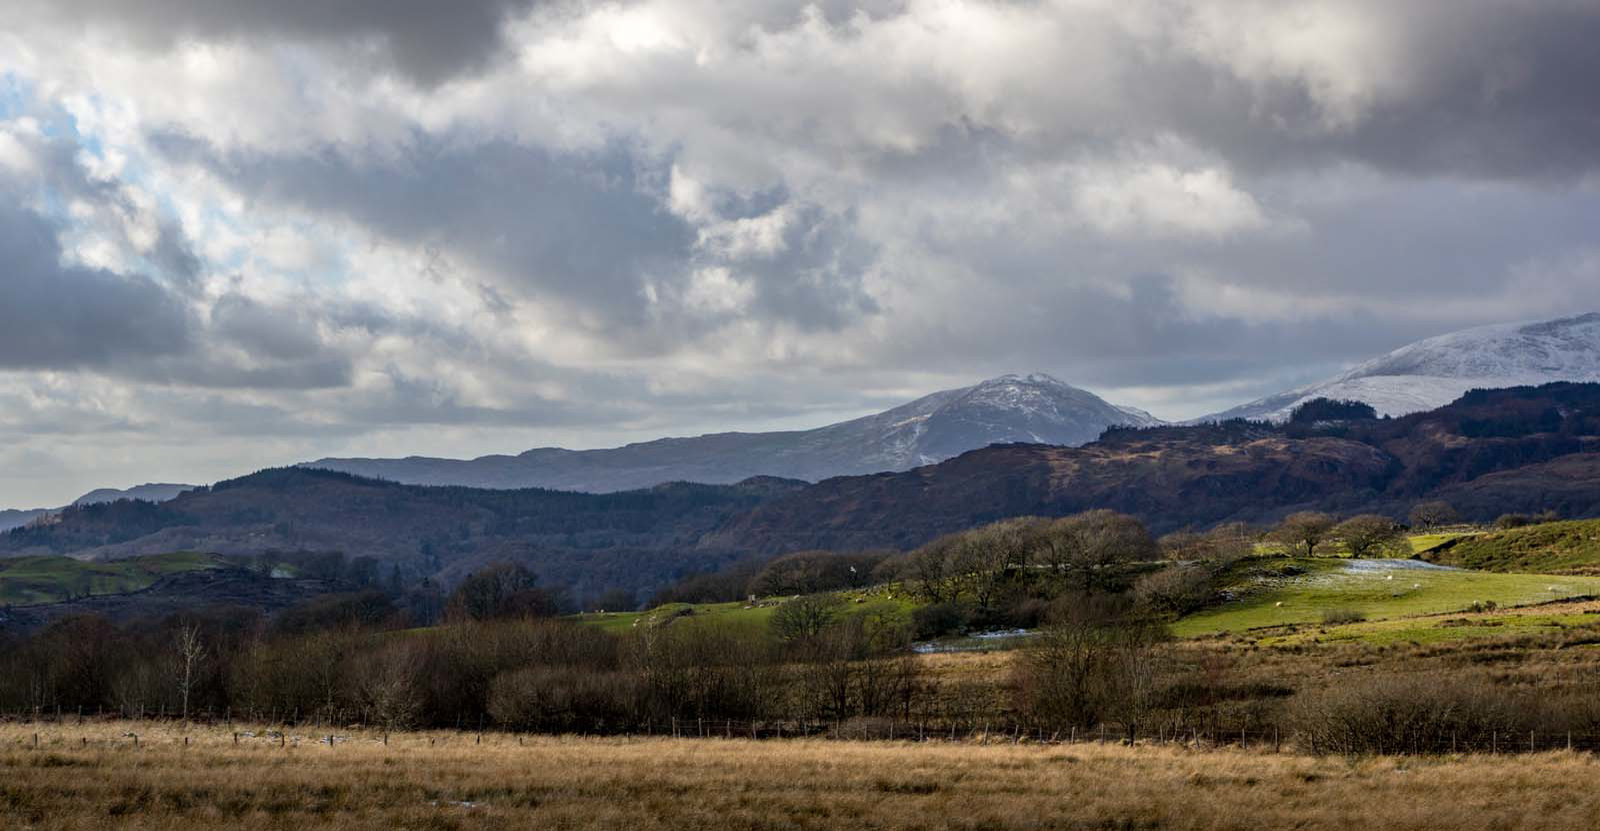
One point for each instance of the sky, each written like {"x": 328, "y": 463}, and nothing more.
{"x": 237, "y": 234}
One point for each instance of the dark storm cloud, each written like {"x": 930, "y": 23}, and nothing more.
{"x": 589, "y": 230}
{"x": 429, "y": 41}
{"x": 577, "y": 228}
{"x": 55, "y": 316}
{"x": 1482, "y": 88}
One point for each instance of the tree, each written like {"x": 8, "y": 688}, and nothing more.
{"x": 1368, "y": 534}
{"x": 1327, "y": 409}
{"x": 1433, "y": 513}
{"x": 500, "y": 591}
{"x": 806, "y": 617}
{"x": 191, "y": 651}
{"x": 1305, "y": 529}
{"x": 1086, "y": 548}
{"x": 985, "y": 557}
{"x": 1214, "y": 550}
{"x": 929, "y": 573}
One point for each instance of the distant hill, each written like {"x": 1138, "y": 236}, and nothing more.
{"x": 152, "y": 493}
{"x": 15, "y": 518}
{"x": 1524, "y": 449}
{"x": 1032, "y": 408}
{"x": 1492, "y": 451}
{"x": 635, "y": 540}
{"x": 1436, "y": 371}
{"x": 149, "y": 492}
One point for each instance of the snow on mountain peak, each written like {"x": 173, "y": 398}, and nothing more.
{"x": 1433, "y": 372}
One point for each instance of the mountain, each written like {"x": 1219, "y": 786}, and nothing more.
{"x": 1433, "y": 372}
{"x": 1492, "y": 451}
{"x": 152, "y": 492}
{"x": 1521, "y": 449}
{"x": 1033, "y": 408}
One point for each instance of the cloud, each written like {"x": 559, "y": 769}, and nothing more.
{"x": 428, "y": 42}
{"x": 58, "y": 316}
{"x": 284, "y": 230}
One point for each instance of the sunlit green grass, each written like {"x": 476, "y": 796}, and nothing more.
{"x": 742, "y": 613}
{"x": 32, "y": 580}
{"x": 1444, "y": 628}
{"x": 1550, "y": 547}
{"x": 1379, "y": 595}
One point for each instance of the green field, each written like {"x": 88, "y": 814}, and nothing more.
{"x": 1435, "y": 629}
{"x": 1270, "y": 594}
{"x": 33, "y": 580}
{"x": 755, "y": 613}
{"x": 1553, "y": 547}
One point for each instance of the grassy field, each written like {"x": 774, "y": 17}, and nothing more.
{"x": 755, "y": 613}
{"x": 1554, "y": 548}
{"x": 1423, "y": 543}
{"x": 29, "y": 580}
{"x": 1276, "y": 592}
{"x": 1446, "y": 628}
{"x": 448, "y": 781}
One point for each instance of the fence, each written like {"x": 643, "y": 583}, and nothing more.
{"x": 1269, "y": 738}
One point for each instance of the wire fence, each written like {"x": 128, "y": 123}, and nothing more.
{"x": 1268, "y": 738}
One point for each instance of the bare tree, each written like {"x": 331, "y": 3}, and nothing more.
{"x": 929, "y": 573}
{"x": 1085, "y": 548}
{"x": 1368, "y": 534}
{"x": 1305, "y": 530}
{"x": 1433, "y": 513}
{"x": 986, "y": 557}
{"x": 191, "y": 651}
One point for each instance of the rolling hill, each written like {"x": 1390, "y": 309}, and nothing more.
{"x": 1530, "y": 447}
{"x": 634, "y": 540}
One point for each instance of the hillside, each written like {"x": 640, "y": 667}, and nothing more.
{"x": 634, "y": 540}
{"x": 1529, "y": 447}
{"x": 16, "y": 518}
{"x": 1033, "y": 408}
{"x": 1571, "y": 547}
{"x": 1436, "y": 371}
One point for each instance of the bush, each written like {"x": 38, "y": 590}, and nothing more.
{"x": 560, "y": 699}
{"x": 1338, "y": 617}
{"x": 937, "y": 620}
{"x": 1508, "y": 521}
{"x": 1176, "y": 590}
{"x": 1428, "y": 713}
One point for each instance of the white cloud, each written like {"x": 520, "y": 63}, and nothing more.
{"x": 612, "y": 220}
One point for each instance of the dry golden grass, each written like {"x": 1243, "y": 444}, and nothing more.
{"x": 439, "y": 780}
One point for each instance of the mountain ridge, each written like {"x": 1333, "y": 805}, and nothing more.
{"x": 935, "y": 427}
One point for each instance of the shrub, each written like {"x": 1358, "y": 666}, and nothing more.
{"x": 938, "y": 619}
{"x": 1426, "y": 713}
{"x": 1509, "y": 521}
{"x": 1177, "y": 589}
{"x": 1339, "y": 617}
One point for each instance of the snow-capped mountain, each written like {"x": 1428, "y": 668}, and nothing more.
{"x": 1433, "y": 372}
{"x": 1011, "y": 408}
